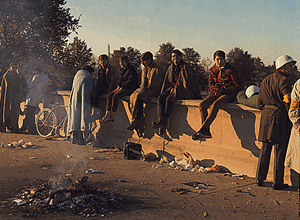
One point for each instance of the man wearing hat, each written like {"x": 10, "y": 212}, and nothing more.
{"x": 275, "y": 126}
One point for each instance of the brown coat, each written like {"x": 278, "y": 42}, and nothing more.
{"x": 188, "y": 86}
{"x": 10, "y": 98}
{"x": 151, "y": 82}
{"x": 274, "y": 124}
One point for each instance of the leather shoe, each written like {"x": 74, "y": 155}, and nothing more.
{"x": 133, "y": 125}
{"x": 259, "y": 182}
{"x": 280, "y": 186}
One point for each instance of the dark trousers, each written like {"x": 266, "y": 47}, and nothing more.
{"x": 113, "y": 97}
{"x": 29, "y": 121}
{"x": 216, "y": 102}
{"x": 137, "y": 112}
{"x": 264, "y": 161}
{"x": 164, "y": 105}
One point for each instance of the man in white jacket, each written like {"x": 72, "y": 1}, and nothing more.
{"x": 37, "y": 85}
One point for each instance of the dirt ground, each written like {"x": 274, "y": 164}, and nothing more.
{"x": 146, "y": 187}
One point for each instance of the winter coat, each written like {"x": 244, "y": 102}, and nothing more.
{"x": 37, "y": 86}
{"x": 188, "y": 86}
{"x": 128, "y": 78}
{"x": 274, "y": 124}
{"x": 80, "y": 105}
{"x": 151, "y": 82}
{"x": 224, "y": 81}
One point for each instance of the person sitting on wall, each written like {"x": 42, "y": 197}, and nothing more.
{"x": 128, "y": 81}
{"x": 180, "y": 83}
{"x": 105, "y": 81}
{"x": 249, "y": 97}
{"x": 151, "y": 83}
{"x": 224, "y": 83}
{"x": 79, "y": 114}
{"x": 37, "y": 85}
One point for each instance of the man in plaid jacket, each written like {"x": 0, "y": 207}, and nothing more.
{"x": 224, "y": 83}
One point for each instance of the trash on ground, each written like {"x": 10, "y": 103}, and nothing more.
{"x": 179, "y": 191}
{"x": 150, "y": 157}
{"x": 76, "y": 197}
{"x": 68, "y": 156}
{"x": 31, "y": 158}
{"x": 94, "y": 171}
{"x": 96, "y": 158}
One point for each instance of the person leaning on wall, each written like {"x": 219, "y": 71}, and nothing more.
{"x": 128, "y": 81}
{"x": 224, "y": 83}
{"x": 275, "y": 125}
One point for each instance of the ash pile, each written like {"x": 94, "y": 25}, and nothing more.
{"x": 77, "y": 197}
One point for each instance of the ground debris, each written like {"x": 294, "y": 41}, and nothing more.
{"x": 179, "y": 191}
{"x": 77, "y": 197}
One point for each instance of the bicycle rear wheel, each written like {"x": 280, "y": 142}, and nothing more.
{"x": 45, "y": 122}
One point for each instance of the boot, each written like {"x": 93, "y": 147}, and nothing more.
{"x": 107, "y": 117}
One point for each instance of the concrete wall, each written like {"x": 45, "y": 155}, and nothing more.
{"x": 234, "y": 143}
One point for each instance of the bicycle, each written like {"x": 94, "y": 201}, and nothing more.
{"x": 46, "y": 122}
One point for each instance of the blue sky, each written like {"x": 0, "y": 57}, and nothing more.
{"x": 267, "y": 29}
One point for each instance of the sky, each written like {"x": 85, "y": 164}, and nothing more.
{"x": 265, "y": 28}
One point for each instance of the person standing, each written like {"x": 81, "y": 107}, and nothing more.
{"x": 275, "y": 126}
{"x": 180, "y": 83}
{"x": 10, "y": 99}
{"x": 128, "y": 81}
{"x": 151, "y": 82}
{"x": 37, "y": 85}
{"x": 293, "y": 151}
{"x": 79, "y": 114}
{"x": 224, "y": 83}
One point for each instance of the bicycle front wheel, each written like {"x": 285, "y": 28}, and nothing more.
{"x": 45, "y": 122}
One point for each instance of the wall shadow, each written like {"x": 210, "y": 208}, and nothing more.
{"x": 244, "y": 125}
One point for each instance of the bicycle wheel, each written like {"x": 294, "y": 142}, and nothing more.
{"x": 45, "y": 122}
{"x": 63, "y": 128}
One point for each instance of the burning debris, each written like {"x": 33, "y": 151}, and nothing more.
{"x": 75, "y": 197}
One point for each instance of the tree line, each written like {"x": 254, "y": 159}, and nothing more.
{"x": 41, "y": 28}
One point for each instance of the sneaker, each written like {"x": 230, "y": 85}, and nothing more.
{"x": 204, "y": 132}
{"x": 133, "y": 125}
{"x": 160, "y": 124}
{"x": 280, "y": 186}
{"x": 196, "y": 136}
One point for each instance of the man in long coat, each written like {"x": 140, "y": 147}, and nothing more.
{"x": 151, "y": 83}
{"x": 293, "y": 152}
{"x": 10, "y": 98}
{"x": 80, "y": 105}
{"x": 275, "y": 126}
{"x": 37, "y": 85}
{"x": 105, "y": 81}
{"x": 180, "y": 83}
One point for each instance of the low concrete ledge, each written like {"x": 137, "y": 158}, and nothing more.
{"x": 235, "y": 130}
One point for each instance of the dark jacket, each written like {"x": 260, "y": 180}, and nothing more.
{"x": 188, "y": 86}
{"x": 128, "y": 78}
{"x": 225, "y": 81}
{"x": 274, "y": 124}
